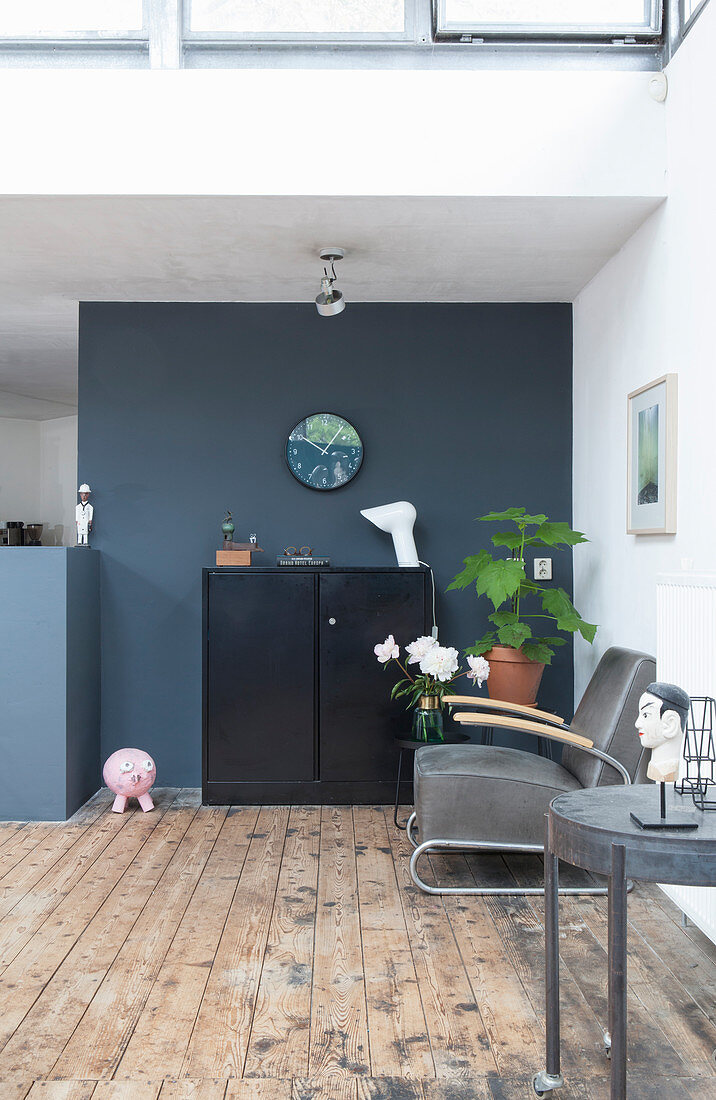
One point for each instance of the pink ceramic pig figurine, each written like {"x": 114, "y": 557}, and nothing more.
{"x": 130, "y": 773}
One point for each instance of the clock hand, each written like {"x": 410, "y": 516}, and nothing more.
{"x": 328, "y": 444}
{"x": 314, "y": 444}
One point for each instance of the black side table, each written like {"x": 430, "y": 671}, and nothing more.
{"x": 592, "y": 829}
{"x": 409, "y": 744}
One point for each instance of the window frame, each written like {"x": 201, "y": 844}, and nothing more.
{"x": 687, "y": 24}
{"x": 551, "y": 32}
{"x": 227, "y": 39}
{"x": 90, "y": 38}
{"x": 165, "y": 42}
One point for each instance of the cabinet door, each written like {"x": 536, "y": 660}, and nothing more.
{"x": 358, "y": 721}
{"x": 260, "y": 669}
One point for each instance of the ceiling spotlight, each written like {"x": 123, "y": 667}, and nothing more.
{"x": 330, "y": 301}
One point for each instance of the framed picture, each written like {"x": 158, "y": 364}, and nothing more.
{"x": 651, "y": 458}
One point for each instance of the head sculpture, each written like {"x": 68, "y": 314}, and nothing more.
{"x": 663, "y": 711}
{"x": 130, "y": 773}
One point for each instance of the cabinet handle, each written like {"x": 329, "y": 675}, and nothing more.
{"x": 331, "y": 622}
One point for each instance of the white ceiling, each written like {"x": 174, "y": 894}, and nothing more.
{"x": 57, "y": 251}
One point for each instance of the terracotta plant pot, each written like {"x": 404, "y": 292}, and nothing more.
{"x": 513, "y": 677}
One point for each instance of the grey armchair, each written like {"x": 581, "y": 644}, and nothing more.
{"x": 485, "y": 797}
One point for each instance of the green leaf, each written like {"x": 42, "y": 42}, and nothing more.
{"x": 503, "y": 618}
{"x": 557, "y": 603}
{"x": 514, "y": 634}
{"x": 587, "y": 630}
{"x": 507, "y": 538}
{"x": 399, "y": 688}
{"x": 473, "y": 567}
{"x": 514, "y": 514}
{"x": 559, "y": 534}
{"x": 517, "y": 515}
{"x": 500, "y": 580}
{"x": 482, "y": 645}
{"x": 538, "y": 651}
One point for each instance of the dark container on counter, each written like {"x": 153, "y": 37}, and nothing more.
{"x": 15, "y": 534}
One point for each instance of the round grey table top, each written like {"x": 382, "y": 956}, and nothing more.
{"x": 584, "y": 825}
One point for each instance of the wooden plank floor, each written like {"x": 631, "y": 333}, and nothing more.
{"x": 282, "y": 953}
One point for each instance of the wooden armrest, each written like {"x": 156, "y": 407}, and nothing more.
{"x": 466, "y": 718}
{"x": 498, "y": 704}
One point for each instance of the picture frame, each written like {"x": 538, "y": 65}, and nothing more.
{"x": 652, "y": 424}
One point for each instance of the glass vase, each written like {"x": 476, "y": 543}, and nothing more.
{"x": 428, "y": 719}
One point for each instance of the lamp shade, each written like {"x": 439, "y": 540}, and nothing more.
{"x": 397, "y": 519}
{"x": 331, "y": 302}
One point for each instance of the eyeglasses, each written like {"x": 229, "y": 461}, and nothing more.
{"x": 303, "y": 552}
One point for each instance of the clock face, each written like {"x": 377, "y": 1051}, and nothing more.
{"x": 324, "y": 451}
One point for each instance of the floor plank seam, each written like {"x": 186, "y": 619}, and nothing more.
{"x": 362, "y": 945}
{"x": 223, "y": 930}
{"x": 266, "y": 945}
{"x": 387, "y": 824}
{"x": 315, "y": 932}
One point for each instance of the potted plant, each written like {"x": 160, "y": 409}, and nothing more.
{"x": 439, "y": 668}
{"x": 516, "y": 652}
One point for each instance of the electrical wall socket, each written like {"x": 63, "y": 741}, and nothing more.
{"x": 543, "y": 569}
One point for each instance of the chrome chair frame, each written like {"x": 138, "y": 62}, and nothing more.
{"x": 438, "y": 845}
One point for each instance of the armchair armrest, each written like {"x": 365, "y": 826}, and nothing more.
{"x": 467, "y": 718}
{"x": 499, "y": 704}
{"x": 565, "y": 735}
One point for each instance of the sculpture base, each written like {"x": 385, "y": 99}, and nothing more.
{"x": 675, "y": 821}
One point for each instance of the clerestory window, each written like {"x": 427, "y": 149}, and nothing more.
{"x": 548, "y": 19}
{"x": 343, "y": 33}
{"x": 43, "y": 19}
{"x": 292, "y": 19}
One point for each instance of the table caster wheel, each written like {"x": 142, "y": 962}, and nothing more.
{"x": 543, "y": 1083}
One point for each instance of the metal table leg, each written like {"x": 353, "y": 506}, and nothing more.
{"x": 618, "y": 971}
{"x": 546, "y": 1080}
{"x": 397, "y": 792}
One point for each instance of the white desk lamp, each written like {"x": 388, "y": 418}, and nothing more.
{"x": 397, "y": 519}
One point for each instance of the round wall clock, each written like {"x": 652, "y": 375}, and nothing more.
{"x": 324, "y": 451}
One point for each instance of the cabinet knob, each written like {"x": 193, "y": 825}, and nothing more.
{"x": 332, "y": 622}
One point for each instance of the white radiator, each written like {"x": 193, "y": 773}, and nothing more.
{"x": 686, "y": 655}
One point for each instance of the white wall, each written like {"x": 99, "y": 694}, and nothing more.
{"x": 38, "y": 470}
{"x": 264, "y": 132}
{"x": 652, "y": 309}
{"x": 58, "y": 479}
{"x": 19, "y": 470}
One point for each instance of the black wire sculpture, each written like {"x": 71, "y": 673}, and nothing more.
{"x": 700, "y": 754}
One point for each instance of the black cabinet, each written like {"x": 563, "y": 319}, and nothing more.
{"x": 296, "y": 706}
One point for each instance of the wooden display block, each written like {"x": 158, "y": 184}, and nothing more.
{"x": 237, "y": 553}
{"x": 233, "y": 557}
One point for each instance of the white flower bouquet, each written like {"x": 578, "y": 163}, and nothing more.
{"x": 439, "y": 668}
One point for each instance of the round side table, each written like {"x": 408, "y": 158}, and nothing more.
{"x": 593, "y": 829}
{"x": 409, "y": 744}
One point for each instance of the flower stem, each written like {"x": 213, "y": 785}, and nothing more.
{"x": 403, "y": 669}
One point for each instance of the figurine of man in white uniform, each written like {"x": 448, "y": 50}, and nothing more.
{"x": 84, "y": 513}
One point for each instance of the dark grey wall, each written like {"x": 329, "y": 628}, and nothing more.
{"x": 184, "y": 412}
